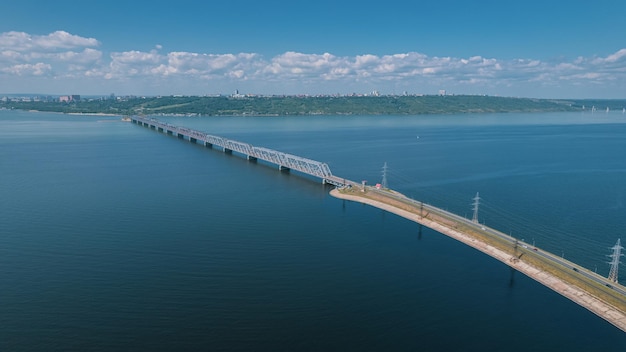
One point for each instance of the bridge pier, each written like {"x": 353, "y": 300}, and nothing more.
{"x": 251, "y": 158}
{"x": 181, "y": 136}
{"x": 208, "y": 145}
{"x": 192, "y": 140}
{"x": 228, "y": 151}
{"x": 283, "y": 168}
{"x": 170, "y": 132}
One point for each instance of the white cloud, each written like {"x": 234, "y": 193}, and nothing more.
{"x": 613, "y": 58}
{"x": 71, "y": 56}
{"x": 62, "y": 39}
{"x": 20, "y": 41}
{"x": 203, "y": 66}
{"x": 136, "y": 57}
{"x": 10, "y": 56}
{"x": 366, "y": 60}
{"x": 292, "y": 65}
{"x": 58, "y": 54}
{"x": 37, "y": 69}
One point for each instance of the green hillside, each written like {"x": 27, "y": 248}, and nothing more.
{"x": 325, "y": 105}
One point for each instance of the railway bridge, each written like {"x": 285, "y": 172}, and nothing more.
{"x": 284, "y": 161}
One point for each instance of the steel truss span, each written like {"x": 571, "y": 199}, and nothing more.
{"x": 283, "y": 160}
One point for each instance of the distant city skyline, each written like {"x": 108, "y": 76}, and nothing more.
{"x": 547, "y": 49}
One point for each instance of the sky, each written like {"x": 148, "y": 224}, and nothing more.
{"x": 531, "y": 48}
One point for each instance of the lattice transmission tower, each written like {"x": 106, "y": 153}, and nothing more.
{"x": 615, "y": 262}
{"x": 475, "y": 208}
{"x": 384, "y": 182}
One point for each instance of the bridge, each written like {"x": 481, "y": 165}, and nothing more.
{"x": 602, "y": 296}
{"x": 284, "y": 161}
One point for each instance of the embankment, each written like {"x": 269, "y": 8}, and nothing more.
{"x": 444, "y": 226}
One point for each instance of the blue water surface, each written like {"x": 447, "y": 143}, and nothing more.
{"x": 117, "y": 237}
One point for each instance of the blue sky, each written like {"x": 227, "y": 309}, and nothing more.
{"x": 544, "y": 49}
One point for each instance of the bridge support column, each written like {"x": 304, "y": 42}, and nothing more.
{"x": 251, "y": 158}
{"x": 283, "y": 168}
{"x": 208, "y": 145}
{"x": 181, "y": 136}
{"x": 228, "y": 151}
{"x": 192, "y": 140}
{"x": 169, "y": 132}
{"x": 160, "y": 129}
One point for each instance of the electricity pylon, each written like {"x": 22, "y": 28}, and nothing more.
{"x": 384, "y": 182}
{"x": 615, "y": 262}
{"x": 475, "y": 208}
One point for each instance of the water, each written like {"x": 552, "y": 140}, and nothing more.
{"x": 116, "y": 237}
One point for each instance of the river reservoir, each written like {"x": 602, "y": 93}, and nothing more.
{"x": 116, "y": 237}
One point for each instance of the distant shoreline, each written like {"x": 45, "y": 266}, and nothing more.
{"x": 68, "y": 113}
{"x": 88, "y": 113}
{"x": 313, "y": 106}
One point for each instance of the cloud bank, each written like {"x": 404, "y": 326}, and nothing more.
{"x": 59, "y": 60}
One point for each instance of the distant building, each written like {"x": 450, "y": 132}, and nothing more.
{"x": 69, "y": 98}
{"x": 442, "y": 92}
{"x": 237, "y": 95}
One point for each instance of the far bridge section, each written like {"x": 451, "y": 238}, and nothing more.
{"x": 284, "y": 161}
